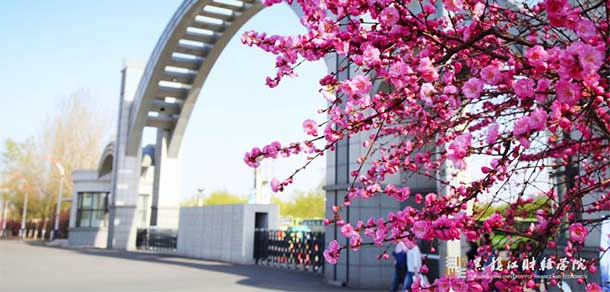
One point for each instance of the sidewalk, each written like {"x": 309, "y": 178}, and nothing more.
{"x": 29, "y": 266}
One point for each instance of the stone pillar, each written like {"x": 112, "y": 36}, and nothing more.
{"x": 360, "y": 269}
{"x": 126, "y": 169}
{"x": 166, "y": 186}
{"x": 262, "y": 174}
{"x": 336, "y": 186}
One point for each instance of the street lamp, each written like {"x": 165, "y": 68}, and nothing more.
{"x": 61, "y": 171}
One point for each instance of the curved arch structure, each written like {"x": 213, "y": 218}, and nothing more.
{"x": 168, "y": 88}
{"x": 179, "y": 65}
{"x": 106, "y": 161}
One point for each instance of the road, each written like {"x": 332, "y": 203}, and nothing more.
{"x": 27, "y": 266}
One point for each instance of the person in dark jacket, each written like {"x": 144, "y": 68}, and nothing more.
{"x": 471, "y": 254}
{"x": 400, "y": 266}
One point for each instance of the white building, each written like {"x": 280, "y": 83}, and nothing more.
{"x": 89, "y": 215}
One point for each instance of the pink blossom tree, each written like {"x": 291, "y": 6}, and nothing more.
{"x": 522, "y": 87}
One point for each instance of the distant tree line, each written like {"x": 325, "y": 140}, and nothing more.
{"x": 71, "y": 136}
{"x": 303, "y": 204}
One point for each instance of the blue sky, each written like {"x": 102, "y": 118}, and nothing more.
{"x": 51, "y": 49}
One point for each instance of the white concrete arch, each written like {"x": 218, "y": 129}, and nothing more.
{"x": 106, "y": 160}
{"x": 180, "y": 64}
{"x": 162, "y": 95}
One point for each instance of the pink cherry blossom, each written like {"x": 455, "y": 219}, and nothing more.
{"x": 593, "y": 287}
{"x": 450, "y": 89}
{"x": 537, "y": 119}
{"x": 443, "y": 285}
{"x": 536, "y": 55}
{"x": 569, "y": 67}
{"x": 446, "y": 228}
{"x": 399, "y": 72}
{"x": 491, "y": 74}
{"x": 355, "y": 241}
{"x": 459, "y": 284}
{"x": 347, "y": 230}
{"x": 426, "y": 92}
{"x": 590, "y": 58}
{"x": 521, "y": 126}
{"x": 310, "y": 127}
{"x": 495, "y": 220}
{"x": 429, "y": 9}
{"x": 359, "y": 85}
{"x": 586, "y": 29}
{"x": 578, "y": 233}
{"x": 543, "y": 86}
{"x": 458, "y": 150}
{"x": 492, "y": 133}
{"x": 571, "y": 20}
{"x": 453, "y": 5}
{"x": 275, "y": 185}
{"x": 568, "y": 92}
{"x": 272, "y": 150}
{"x": 421, "y": 229}
{"x": 342, "y": 48}
{"x": 331, "y": 254}
{"x": 271, "y": 82}
{"x": 389, "y": 16}
{"x": 478, "y": 10}
{"x": 370, "y": 55}
{"x": 251, "y": 157}
{"x": 524, "y": 88}
{"x": 427, "y": 69}
{"x": 408, "y": 243}
{"x": 557, "y": 10}
{"x": 472, "y": 88}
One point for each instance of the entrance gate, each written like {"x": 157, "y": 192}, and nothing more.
{"x": 294, "y": 250}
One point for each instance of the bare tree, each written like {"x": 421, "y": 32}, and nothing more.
{"x": 72, "y": 136}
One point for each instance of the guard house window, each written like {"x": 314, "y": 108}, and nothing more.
{"x": 92, "y": 209}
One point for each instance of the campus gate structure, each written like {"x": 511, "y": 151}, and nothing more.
{"x": 162, "y": 95}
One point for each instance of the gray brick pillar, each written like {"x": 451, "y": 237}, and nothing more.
{"x": 126, "y": 169}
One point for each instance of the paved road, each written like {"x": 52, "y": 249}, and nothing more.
{"x": 33, "y": 267}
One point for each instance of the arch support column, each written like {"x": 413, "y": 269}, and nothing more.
{"x": 126, "y": 171}
{"x": 166, "y": 187}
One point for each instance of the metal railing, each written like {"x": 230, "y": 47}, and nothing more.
{"x": 296, "y": 250}
{"x": 157, "y": 239}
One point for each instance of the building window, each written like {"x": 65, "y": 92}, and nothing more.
{"x": 92, "y": 209}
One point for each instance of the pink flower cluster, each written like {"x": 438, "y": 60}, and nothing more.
{"x": 458, "y": 150}
{"x": 472, "y": 88}
{"x": 578, "y": 233}
{"x": 580, "y": 61}
{"x": 310, "y": 127}
{"x": 521, "y": 86}
{"x": 524, "y": 126}
{"x": 331, "y": 254}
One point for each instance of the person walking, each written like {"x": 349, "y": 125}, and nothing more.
{"x": 413, "y": 266}
{"x": 400, "y": 265}
{"x": 471, "y": 254}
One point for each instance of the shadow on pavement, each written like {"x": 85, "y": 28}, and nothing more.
{"x": 255, "y": 276}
